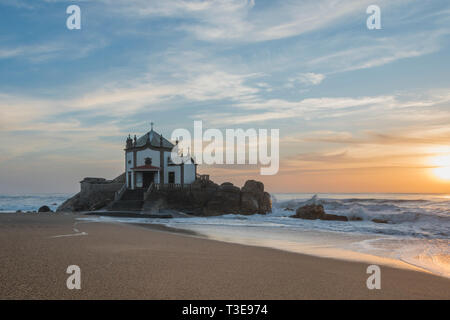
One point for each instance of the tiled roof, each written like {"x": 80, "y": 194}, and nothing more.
{"x": 147, "y": 167}
{"x": 154, "y": 139}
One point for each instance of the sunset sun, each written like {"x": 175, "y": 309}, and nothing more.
{"x": 442, "y": 171}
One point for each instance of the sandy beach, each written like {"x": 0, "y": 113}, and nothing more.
{"x": 121, "y": 261}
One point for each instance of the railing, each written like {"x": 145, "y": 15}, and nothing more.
{"x": 171, "y": 186}
{"x": 168, "y": 186}
{"x": 149, "y": 190}
{"x": 118, "y": 194}
{"x": 202, "y": 177}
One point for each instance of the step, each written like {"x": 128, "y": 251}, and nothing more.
{"x": 133, "y": 195}
{"x": 132, "y": 205}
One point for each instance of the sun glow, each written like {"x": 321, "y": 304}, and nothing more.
{"x": 442, "y": 170}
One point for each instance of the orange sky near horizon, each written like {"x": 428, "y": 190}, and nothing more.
{"x": 365, "y": 180}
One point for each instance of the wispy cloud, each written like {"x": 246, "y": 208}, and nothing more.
{"x": 55, "y": 49}
{"x": 309, "y": 78}
{"x": 246, "y": 20}
{"x": 374, "y": 52}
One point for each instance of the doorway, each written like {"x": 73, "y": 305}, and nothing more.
{"x": 148, "y": 178}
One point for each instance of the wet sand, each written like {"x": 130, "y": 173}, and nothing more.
{"x": 120, "y": 261}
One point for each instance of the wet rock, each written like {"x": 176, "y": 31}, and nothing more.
{"x": 225, "y": 201}
{"x": 310, "y": 212}
{"x": 266, "y": 205}
{"x": 44, "y": 209}
{"x": 254, "y": 199}
{"x": 334, "y": 217}
{"x": 316, "y": 211}
{"x": 379, "y": 220}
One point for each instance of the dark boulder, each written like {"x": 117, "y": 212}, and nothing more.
{"x": 229, "y": 199}
{"x": 44, "y": 209}
{"x": 266, "y": 205}
{"x": 334, "y": 217}
{"x": 254, "y": 199}
{"x": 316, "y": 211}
{"x": 310, "y": 212}
{"x": 226, "y": 200}
{"x": 379, "y": 220}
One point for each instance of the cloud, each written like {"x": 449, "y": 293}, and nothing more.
{"x": 370, "y": 52}
{"x": 425, "y": 135}
{"x": 22, "y": 4}
{"x": 245, "y": 20}
{"x": 61, "y": 49}
{"x": 385, "y": 107}
{"x": 309, "y": 78}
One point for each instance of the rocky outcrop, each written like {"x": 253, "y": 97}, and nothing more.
{"x": 205, "y": 198}
{"x": 202, "y": 198}
{"x": 316, "y": 211}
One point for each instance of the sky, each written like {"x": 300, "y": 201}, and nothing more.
{"x": 358, "y": 110}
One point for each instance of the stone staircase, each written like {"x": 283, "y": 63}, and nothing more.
{"x": 131, "y": 200}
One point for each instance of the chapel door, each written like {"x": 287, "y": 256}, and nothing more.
{"x": 148, "y": 178}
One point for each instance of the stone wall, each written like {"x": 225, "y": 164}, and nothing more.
{"x": 95, "y": 194}
{"x": 94, "y": 185}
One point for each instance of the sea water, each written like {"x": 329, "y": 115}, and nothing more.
{"x": 31, "y": 202}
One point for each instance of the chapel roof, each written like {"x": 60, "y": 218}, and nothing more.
{"x": 155, "y": 139}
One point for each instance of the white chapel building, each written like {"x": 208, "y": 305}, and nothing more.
{"x": 147, "y": 161}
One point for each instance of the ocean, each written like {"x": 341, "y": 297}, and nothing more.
{"x": 31, "y": 202}
{"x": 417, "y": 234}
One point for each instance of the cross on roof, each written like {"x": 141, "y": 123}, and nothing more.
{"x": 151, "y": 124}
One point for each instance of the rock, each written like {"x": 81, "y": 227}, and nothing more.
{"x": 249, "y": 204}
{"x": 288, "y": 209}
{"x": 253, "y": 186}
{"x": 44, "y": 209}
{"x": 334, "y": 217}
{"x": 266, "y": 205}
{"x": 379, "y": 220}
{"x": 229, "y": 199}
{"x": 254, "y": 199}
{"x": 316, "y": 211}
{"x": 310, "y": 212}
{"x": 226, "y": 200}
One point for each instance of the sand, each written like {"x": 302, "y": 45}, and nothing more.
{"x": 120, "y": 261}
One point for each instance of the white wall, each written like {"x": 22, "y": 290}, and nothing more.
{"x": 147, "y": 153}
{"x": 128, "y": 166}
{"x": 177, "y": 170}
{"x": 189, "y": 169}
{"x": 139, "y": 179}
{"x": 189, "y": 173}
